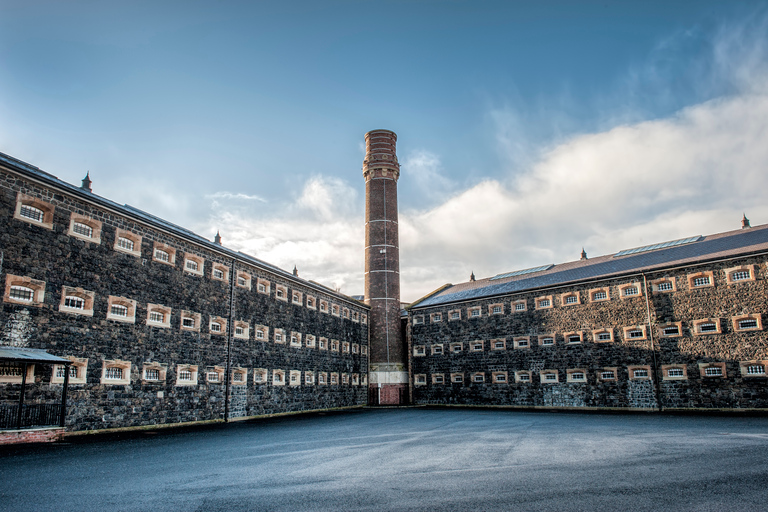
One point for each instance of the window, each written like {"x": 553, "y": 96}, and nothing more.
{"x": 701, "y": 280}
{"x": 22, "y": 293}
{"x": 262, "y": 332}
{"x": 77, "y": 301}
{"x": 454, "y": 315}
{"x": 496, "y": 309}
{"x": 570, "y": 299}
{"x": 323, "y": 344}
{"x": 154, "y": 372}
{"x": 188, "y": 321}
{"x": 630, "y": 290}
{"x": 523, "y": 376}
{"x": 33, "y": 211}
{"x": 309, "y": 378}
{"x": 707, "y": 326}
{"x": 364, "y": 350}
{"x": 417, "y": 320}
{"x": 82, "y": 229}
{"x": 664, "y": 285}
{"x": 639, "y": 372}
{"x": 334, "y": 345}
{"x": 297, "y": 298}
{"x": 127, "y": 242}
{"x": 335, "y": 310}
{"x": 192, "y": 266}
{"x": 576, "y": 375}
{"x": 164, "y": 254}
{"x": 476, "y": 346}
{"x": 239, "y": 376}
{"x": 740, "y": 274}
{"x": 634, "y": 333}
{"x": 457, "y": 347}
{"x": 295, "y": 339}
{"x": 478, "y": 377}
{"x": 499, "y": 377}
{"x": 549, "y": 376}
{"x": 438, "y": 378}
{"x": 116, "y": 372}
{"x": 309, "y": 341}
{"x": 436, "y": 317}
{"x": 77, "y": 371}
{"x": 259, "y": 375}
{"x": 607, "y": 374}
{"x": 748, "y": 323}
{"x": 217, "y": 325}
{"x": 345, "y": 313}
{"x": 598, "y": 294}
{"x": 457, "y": 378}
{"x": 520, "y": 306}
{"x": 364, "y": 319}
{"x": 281, "y": 292}
{"x": 323, "y": 306}
{"x": 278, "y": 377}
{"x": 158, "y": 315}
{"x": 118, "y": 310}
{"x": 322, "y": 378}
{"x": 420, "y": 379}
{"x": 543, "y": 302}
{"x": 295, "y": 378}
{"x": 671, "y": 330}
{"x": 218, "y": 274}
{"x": 244, "y": 280}
{"x": 242, "y": 329}
{"x": 262, "y": 286}
{"x": 498, "y": 345}
{"x": 437, "y": 350}
{"x": 602, "y": 336}
{"x": 14, "y": 374}
{"x": 670, "y": 372}
{"x": 572, "y": 337}
{"x": 522, "y": 342}
{"x": 473, "y": 312}
{"x": 753, "y": 368}
{"x": 546, "y": 340}
{"x": 712, "y": 370}
{"x": 186, "y": 375}
{"x": 311, "y": 302}
{"x": 334, "y": 378}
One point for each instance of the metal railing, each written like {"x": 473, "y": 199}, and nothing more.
{"x": 32, "y": 415}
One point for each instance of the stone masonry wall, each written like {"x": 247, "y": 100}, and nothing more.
{"x": 684, "y": 306}
{"x": 58, "y": 259}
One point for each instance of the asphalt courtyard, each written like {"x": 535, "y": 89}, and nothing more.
{"x": 405, "y": 459}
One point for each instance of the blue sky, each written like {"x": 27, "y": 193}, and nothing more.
{"x": 526, "y": 129}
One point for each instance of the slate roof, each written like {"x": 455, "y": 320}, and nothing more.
{"x": 711, "y": 247}
{"x": 154, "y": 221}
{"x": 30, "y": 355}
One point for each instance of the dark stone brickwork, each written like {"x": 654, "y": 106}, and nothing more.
{"x": 59, "y": 259}
{"x": 685, "y": 305}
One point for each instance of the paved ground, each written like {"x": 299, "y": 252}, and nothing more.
{"x": 407, "y": 459}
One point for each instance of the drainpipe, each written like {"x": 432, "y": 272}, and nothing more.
{"x": 657, "y": 382}
{"x": 21, "y": 396}
{"x": 63, "y": 416}
{"x": 230, "y": 328}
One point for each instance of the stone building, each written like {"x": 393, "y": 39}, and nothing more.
{"x": 161, "y": 325}
{"x": 676, "y": 325}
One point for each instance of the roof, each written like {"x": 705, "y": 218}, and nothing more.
{"x": 30, "y": 355}
{"x": 654, "y": 257}
{"x": 156, "y": 222}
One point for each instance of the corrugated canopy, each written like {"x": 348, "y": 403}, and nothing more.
{"x": 29, "y": 355}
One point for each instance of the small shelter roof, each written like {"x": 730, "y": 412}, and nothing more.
{"x": 30, "y": 355}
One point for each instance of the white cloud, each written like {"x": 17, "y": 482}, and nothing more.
{"x": 236, "y": 196}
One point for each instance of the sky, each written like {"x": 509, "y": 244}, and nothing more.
{"x": 526, "y": 130}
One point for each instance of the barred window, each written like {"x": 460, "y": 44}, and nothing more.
{"x": 161, "y": 255}
{"x": 218, "y": 274}
{"x": 30, "y": 212}
{"x": 478, "y": 377}
{"x": 544, "y": 303}
{"x": 438, "y": 379}
{"x": 185, "y": 375}
{"x": 437, "y": 317}
{"x": 475, "y": 312}
{"x": 601, "y": 295}
{"x": 640, "y": 373}
{"x": 418, "y": 320}
{"x": 192, "y": 265}
{"x": 578, "y": 376}
{"x": 125, "y": 243}
{"x": 631, "y": 290}
{"x": 571, "y": 299}
{"x": 550, "y": 376}
{"x": 749, "y": 323}
{"x": 261, "y": 288}
{"x": 635, "y": 333}
{"x": 521, "y": 343}
{"x": 156, "y": 317}
{"x": 701, "y": 281}
{"x": 239, "y": 330}
{"x": 188, "y": 322}
{"x": 215, "y": 327}
{"x": 113, "y": 373}
{"x": 520, "y": 306}
{"x": 606, "y": 375}
{"x": 82, "y": 229}
{"x": 73, "y": 302}
{"x": 118, "y": 310}
{"x": 151, "y": 374}
{"x": 496, "y": 310}
{"x": 498, "y": 345}
{"x": 756, "y": 369}
{"x": 741, "y": 275}
{"x": 237, "y": 377}
{"x": 665, "y": 286}
{"x": 708, "y": 327}
{"x": 61, "y": 369}
{"x": 10, "y": 371}
{"x": 574, "y": 338}
{"x": 524, "y": 377}
{"x": 671, "y": 330}
{"x": 548, "y": 340}
{"x": 212, "y": 376}
{"x": 713, "y": 371}
{"x": 260, "y": 334}
{"x": 21, "y": 293}
{"x": 604, "y": 336}
{"x": 455, "y": 315}
{"x": 675, "y": 372}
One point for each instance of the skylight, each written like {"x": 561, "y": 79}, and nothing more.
{"x": 521, "y": 272}
{"x": 662, "y": 245}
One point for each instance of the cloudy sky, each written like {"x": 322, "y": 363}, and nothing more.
{"x": 526, "y": 130}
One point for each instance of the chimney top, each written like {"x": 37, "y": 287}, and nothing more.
{"x": 583, "y": 254}
{"x": 472, "y": 276}
{"x": 745, "y": 222}
{"x": 217, "y": 238}
{"x": 86, "y": 184}
{"x": 295, "y": 271}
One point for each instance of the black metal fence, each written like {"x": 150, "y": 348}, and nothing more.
{"x": 32, "y": 415}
